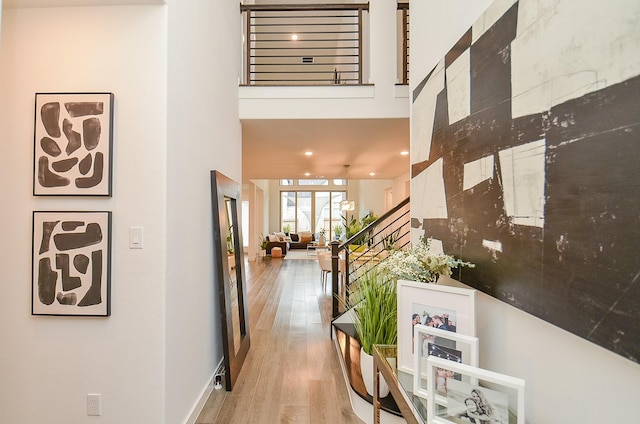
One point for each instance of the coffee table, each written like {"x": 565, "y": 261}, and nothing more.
{"x": 314, "y": 247}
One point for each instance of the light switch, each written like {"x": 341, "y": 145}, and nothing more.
{"x": 135, "y": 238}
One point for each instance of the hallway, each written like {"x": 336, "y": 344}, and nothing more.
{"x": 292, "y": 373}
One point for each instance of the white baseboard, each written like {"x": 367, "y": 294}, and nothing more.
{"x": 206, "y": 392}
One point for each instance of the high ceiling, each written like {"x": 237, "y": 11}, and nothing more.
{"x": 275, "y": 149}
{"x": 10, "y": 4}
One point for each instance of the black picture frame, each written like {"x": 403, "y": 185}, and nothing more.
{"x": 71, "y": 263}
{"x": 73, "y": 144}
{"x": 228, "y": 257}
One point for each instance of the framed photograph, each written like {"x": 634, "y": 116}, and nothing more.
{"x": 473, "y": 395}
{"x": 435, "y": 305}
{"x": 231, "y": 281}
{"x": 71, "y": 263}
{"x": 73, "y": 141}
{"x": 430, "y": 341}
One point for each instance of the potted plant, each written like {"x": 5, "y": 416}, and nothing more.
{"x": 338, "y": 230}
{"x": 263, "y": 245}
{"x": 286, "y": 228}
{"x": 322, "y": 239}
{"x": 419, "y": 263}
{"x": 373, "y": 305}
{"x": 354, "y": 226}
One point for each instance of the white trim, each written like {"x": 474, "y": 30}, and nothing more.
{"x": 206, "y": 392}
{"x": 314, "y": 92}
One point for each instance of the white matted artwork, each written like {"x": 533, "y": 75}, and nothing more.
{"x": 71, "y": 263}
{"x": 73, "y": 140}
{"x": 436, "y": 305}
{"x": 473, "y": 394}
{"x": 430, "y": 341}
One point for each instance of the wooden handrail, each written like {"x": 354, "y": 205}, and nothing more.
{"x": 294, "y": 7}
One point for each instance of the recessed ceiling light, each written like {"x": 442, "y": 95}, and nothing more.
{"x": 404, "y": 153}
{"x": 371, "y": 174}
{"x": 294, "y": 36}
{"x": 308, "y": 153}
{"x": 306, "y": 174}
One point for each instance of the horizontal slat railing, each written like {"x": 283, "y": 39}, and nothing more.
{"x": 327, "y": 49}
{"x": 389, "y": 231}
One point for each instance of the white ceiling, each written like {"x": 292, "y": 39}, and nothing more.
{"x": 14, "y": 4}
{"x": 274, "y": 149}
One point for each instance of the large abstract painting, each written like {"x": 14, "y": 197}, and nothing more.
{"x": 71, "y": 263}
{"x": 525, "y": 161}
{"x": 72, "y": 144}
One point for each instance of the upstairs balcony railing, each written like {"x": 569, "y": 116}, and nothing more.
{"x": 403, "y": 42}
{"x": 306, "y": 44}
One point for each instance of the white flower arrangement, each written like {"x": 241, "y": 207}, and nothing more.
{"x": 418, "y": 263}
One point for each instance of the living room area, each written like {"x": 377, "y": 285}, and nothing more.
{"x": 298, "y": 217}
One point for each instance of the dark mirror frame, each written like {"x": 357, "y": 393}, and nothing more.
{"x": 232, "y": 293}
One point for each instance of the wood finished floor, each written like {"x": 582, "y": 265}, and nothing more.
{"x": 292, "y": 373}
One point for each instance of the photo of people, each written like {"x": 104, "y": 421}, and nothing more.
{"x": 435, "y": 317}
{"x": 443, "y": 309}
{"x": 467, "y": 403}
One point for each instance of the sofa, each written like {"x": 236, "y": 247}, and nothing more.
{"x": 287, "y": 242}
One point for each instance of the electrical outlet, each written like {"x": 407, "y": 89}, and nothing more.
{"x": 93, "y": 404}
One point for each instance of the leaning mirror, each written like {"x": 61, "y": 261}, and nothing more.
{"x": 230, "y": 276}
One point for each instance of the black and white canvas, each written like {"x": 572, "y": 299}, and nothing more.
{"x": 71, "y": 263}
{"x": 73, "y": 140}
{"x": 526, "y": 139}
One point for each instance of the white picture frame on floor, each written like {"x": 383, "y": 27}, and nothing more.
{"x": 429, "y": 341}
{"x": 453, "y": 306}
{"x": 473, "y": 395}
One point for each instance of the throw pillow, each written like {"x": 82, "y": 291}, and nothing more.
{"x": 294, "y": 237}
{"x": 305, "y": 237}
{"x": 281, "y": 236}
{"x": 273, "y": 237}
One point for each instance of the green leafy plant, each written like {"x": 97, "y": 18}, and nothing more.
{"x": 338, "y": 230}
{"x": 373, "y": 301}
{"x": 263, "y": 242}
{"x": 418, "y": 263}
{"x": 354, "y": 226}
{"x": 286, "y": 228}
{"x": 389, "y": 240}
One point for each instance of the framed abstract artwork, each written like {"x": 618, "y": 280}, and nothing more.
{"x": 441, "y": 343}
{"x": 71, "y": 263}
{"x": 436, "y": 305}
{"x": 228, "y": 259}
{"x": 472, "y": 394}
{"x": 73, "y": 141}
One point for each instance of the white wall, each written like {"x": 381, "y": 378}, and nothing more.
{"x": 371, "y": 196}
{"x": 569, "y": 380}
{"x": 204, "y": 134}
{"x": 49, "y": 364}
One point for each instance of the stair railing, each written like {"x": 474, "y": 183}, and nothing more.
{"x": 371, "y": 245}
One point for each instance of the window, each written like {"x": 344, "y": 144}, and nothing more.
{"x": 311, "y": 210}
{"x": 313, "y": 182}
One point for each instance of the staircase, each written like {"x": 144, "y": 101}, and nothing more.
{"x": 367, "y": 249}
